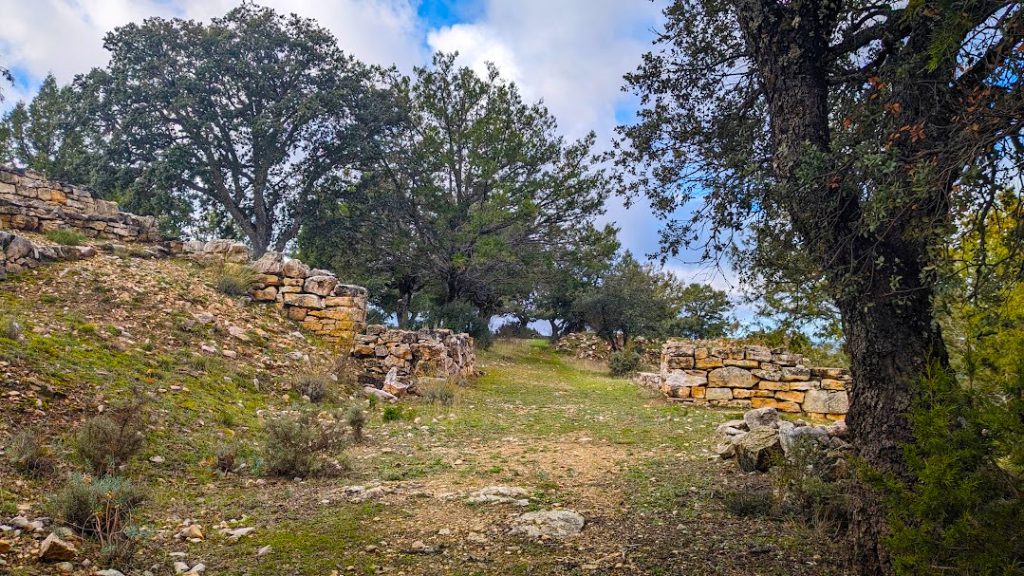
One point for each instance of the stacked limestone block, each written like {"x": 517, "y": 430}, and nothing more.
{"x": 32, "y": 203}
{"x": 315, "y": 298}
{"x": 438, "y": 353}
{"x": 752, "y": 377}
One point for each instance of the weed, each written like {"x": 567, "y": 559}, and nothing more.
{"x": 356, "y": 421}
{"x": 443, "y": 394}
{"x": 235, "y": 279}
{"x": 392, "y": 413}
{"x": 225, "y": 457}
{"x": 29, "y": 456}
{"x": 65, "y": 237}
{"x": 313, "y": 386}
{"x": 11, "y": 329}
{"x": 748, "y": 503}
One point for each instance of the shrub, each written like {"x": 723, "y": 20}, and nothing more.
{"x": 443, "y": 394}
{"x": 810, "y": 484}
{"x": 964, "y": 511}
{"x": 65, "y": 237}
{"x": 108, "y": 441}
{"x": 235, "y": 279}
{"x": 356, "y": 421}
{"x": 623, "y": 362}
{"x": 100, "y": 508}
{"x": 296, "y": 444}
{"x": 11, "y": 329}
{"x": 392, "y": 413}
{"x": 29, "y": 456}
{"x": 313, "y": 386}
{"x": 225, "y": 457}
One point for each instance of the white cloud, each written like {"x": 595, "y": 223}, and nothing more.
{"x": 65, "y": 37}
{"x": 571, "y": 53}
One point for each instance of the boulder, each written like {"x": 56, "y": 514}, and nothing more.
{"x": 295, "y": 269}
{"x": 372, "y": 392}
{"x": 20, "y": 247}
{"x": 271, "y": 263}
{"x": 549, "y": 524}
{"x": 393, "y": 386}
{"x": 758, "y": 450}
{"x": 826, "y": 402}
{"x": 794, "y": 436}
{"x": 320, "y": 285}
{"x": 761, "y": 418}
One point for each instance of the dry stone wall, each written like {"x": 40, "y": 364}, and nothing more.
{"x": 427, "y": 353}
{"x": 32, "y": 203}
{"x": 314, "y": 298}
{"x": 18, "y": 253}
{"x": 743, "y": 376}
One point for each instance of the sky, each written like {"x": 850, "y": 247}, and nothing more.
{"x": 572, "y": 54}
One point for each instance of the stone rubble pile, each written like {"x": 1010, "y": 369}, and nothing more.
{"x": 18, "y": 253}
{"x": 412, "y": 355}
{"x": 761, "y": 439}
{"x": 30, "y": 202}
{"x": 747, "y": 376}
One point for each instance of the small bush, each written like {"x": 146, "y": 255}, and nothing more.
{"x": 65, "y": 237}
{"x": 810, "y": 484}
{"x": 11, "y": 329}
{"x": 235, "y": 279}
{"x": 225, "y": 457}
{"x": 623, "y": 362}
{"x": 313, "y": 386}
{"x": 748, "y": 503}
{"x": 443, "y": 394}
{"x": 296, "y": 444}
{"x": 101, "y": 508}
{"x": 29, "y": 456}
{"x": 392, "y": 413}
{"x": 108, "y": 441}
{"x": 356, "y": 422}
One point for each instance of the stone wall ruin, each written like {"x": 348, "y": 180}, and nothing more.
{"x": 32, "y": 203}
{"x": 414, "y": 354}
{"x": 750, "y": 376}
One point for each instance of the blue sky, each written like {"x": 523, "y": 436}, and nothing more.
{"x": 570, "y": 53}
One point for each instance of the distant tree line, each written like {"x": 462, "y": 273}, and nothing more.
{"x": 444, "y": 192}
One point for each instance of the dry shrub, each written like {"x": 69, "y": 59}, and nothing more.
{"x": 235, "y": 279}
{"x": 29, "y": 455}
{"x": 356, "y": 422}
{"x": 108, "y": 441}
{"x": 297, "y": 444}
{"x": 102, "y": 509}
{"x": 440, "y": 393}
{"x": 313, "y": 386}
{"x": 226, "y": 457}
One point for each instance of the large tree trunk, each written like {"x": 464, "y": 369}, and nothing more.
{"x": 891, "y": 340}
{"x": 887, "y": 308}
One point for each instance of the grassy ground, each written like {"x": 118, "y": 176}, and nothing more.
{"x": 638, "y": 469}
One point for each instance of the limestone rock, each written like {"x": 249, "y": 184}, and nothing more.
{"x": 393, "y": 386}
{"x": 758, "y": 450}
{"x": 53, "y": 549}
{"x": 549, "y": 523}
{"x": 731, "y": 377}
{"x": 794, "y": 436}
{"x": 372, "y": 392}
{"x": 295, "y": 269}
{"x": 761, "y": 418}
{"x": 320, "y": 285}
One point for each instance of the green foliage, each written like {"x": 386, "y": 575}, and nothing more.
{"x": 812, "y": 483}
{"x": 964, "y": 513}
{"x": 623, "y": 362}
{"x": 108, "y": 441}
{"x": 467, "y": 196}
{"x": 65, "y": 237}
{"x": 226, "y": 457}
{"x": 100, "y": 508}
{"x": 171, "y": 91}
{"x": 234, "y": 279}
{"x": 29, "y": 455}
{"x": 703, "y": 313}
{"x": 298, "y": 444}
{"x": 392, "y": 413}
